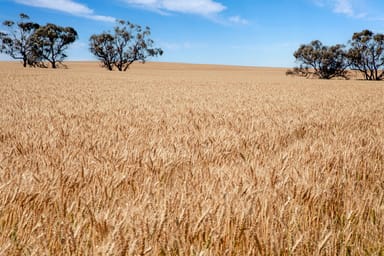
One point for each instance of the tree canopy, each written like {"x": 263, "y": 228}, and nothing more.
{"x": 364, "y": 53}
{"x": 367, "y": 54}
{"x": 128, "y": 43}
{"x": 51, "y": 41}
{"x": 16, "y": 40}
{"x": 102, "y": 46}
{"x": 325, "y": 62}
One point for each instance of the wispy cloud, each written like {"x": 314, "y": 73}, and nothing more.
{"x": 67, "y": 6}
{"x": 345, "y": 7}
{"x": 238, "y": 20}
{"x": 198, "y": 7}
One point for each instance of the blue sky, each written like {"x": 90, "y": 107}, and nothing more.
{"x": 237, "y": 32}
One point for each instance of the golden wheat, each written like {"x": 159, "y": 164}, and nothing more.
{"x": 171, "y": 159}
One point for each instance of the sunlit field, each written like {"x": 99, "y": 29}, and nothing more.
{"x": 172, "y": 159}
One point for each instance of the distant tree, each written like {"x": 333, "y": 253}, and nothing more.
{"x": 16, "y": 42}
{"x": 325, "y": 62}
{"x": 367, "y": 54}
{"x": 127, "y": 44}
{"x": 51, "y": 41}
{"x": 103, "y": 47}
{"x": 298, "y": 71}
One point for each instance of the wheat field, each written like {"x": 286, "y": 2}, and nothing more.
{"x": 174, "y": 159}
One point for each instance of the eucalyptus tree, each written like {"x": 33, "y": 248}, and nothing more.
{"x": 366, "y": 54}
{"x": 126, "y": 44}
{"x": 51, "y": 42}
{"x": 16, "y": 42}
{"x": 325, "y": 62}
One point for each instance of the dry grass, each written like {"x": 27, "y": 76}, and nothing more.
{"x": 189, "y": 160}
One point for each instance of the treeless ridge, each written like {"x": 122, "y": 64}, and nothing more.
{"x": 174, "y": 159}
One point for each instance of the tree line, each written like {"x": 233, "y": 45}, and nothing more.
{"x": 365, "y": 54}
{"x": 35, "y": 44}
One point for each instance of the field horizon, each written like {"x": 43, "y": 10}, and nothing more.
{"x": 189, "y": 159}
{"x": 175, "y": 64}
{"x": 160, "y": 65}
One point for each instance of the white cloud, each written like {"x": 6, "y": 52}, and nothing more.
{"x": 345, "y": 7}
{"x": 100, "y": 18}
{"x": 238, "y": 20}
{"x": 67, "y": 6}
{"x": 199, "y": 7}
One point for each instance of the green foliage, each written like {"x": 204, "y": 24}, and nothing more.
{"x": 102, "y": 46}
{"x": 16, "y": 41}
{"x": 51, "y": 41}
{"x": 325, "y": 62}
{"x": 367, "y": 54}
{"x": 128, "y": 43}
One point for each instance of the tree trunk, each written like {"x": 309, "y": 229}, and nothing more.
{"x": 119, "y": 66}
{"x": 128, "y": 64}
